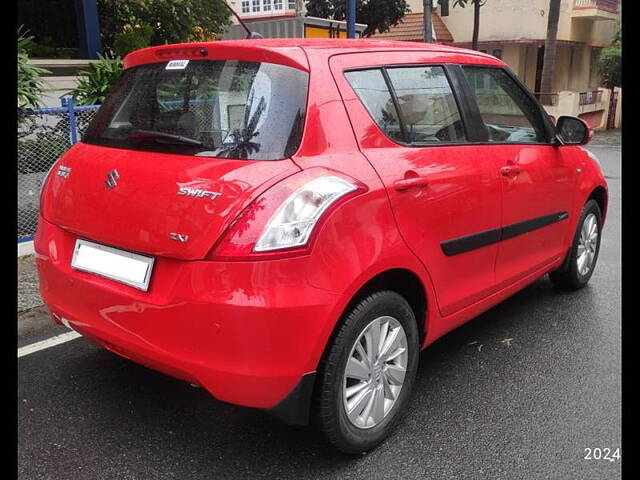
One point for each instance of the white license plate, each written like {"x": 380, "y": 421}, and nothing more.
{"x": 119, "y": 265}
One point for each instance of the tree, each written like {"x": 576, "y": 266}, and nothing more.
{"x": 30, "y": 86}
{"x": 476, "y": 18}
{"x": 549, "y": 63}
{"x": 172, "y": 21}
{"x": 610, "y": 64}
{"x": 379, "y": 15}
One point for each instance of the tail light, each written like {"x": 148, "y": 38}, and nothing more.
{"x": 283, "y": 220}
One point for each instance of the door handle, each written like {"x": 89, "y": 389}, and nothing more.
{"x": 510, "y": 170}
{"x": 407, "y": 183}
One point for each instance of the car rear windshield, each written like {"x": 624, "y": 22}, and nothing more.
{"x": 226, "y": 109}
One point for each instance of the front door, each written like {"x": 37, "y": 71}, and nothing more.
{"x": 538, "y": 180}
{"x": 442, "y": 189}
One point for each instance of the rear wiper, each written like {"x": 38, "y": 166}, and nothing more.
{"x": 152, "y": 134}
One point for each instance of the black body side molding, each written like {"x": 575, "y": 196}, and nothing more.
{"x": 467, "y": 243}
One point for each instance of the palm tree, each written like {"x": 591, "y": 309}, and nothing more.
{"x": 242, "y": 144}
{"x": 476, "y": 17}
{"x": 549, "y": 64}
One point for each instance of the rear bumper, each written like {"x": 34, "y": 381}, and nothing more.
{"x": 248, "y": 332}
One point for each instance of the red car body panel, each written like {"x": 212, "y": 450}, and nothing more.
{"x": 544, "y": 184}
{"x": 249, "y": 330}
{"x": 463, "y": 195}
{"x": 129, "y": 216}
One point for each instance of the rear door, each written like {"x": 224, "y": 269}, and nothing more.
{"x": 538, "y": 179}
{"x": 443, "y": 190}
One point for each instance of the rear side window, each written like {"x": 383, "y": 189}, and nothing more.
{"x": 509, "y": 114}
{"x": 429, "y": 110}
{"x": 228, "y": 109}
{"x": 416, "y": 105}
{"x": 373, "y": 92}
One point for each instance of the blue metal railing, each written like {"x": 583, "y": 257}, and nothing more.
{"x": 57, "y": 128}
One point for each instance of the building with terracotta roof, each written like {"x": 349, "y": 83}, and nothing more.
{"x": 411, "y": 29}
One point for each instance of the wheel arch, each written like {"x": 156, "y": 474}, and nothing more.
{"x": 599, "y": 194}
{"x": 406, "y": 284}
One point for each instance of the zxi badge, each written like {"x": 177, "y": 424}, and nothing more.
{"x": 112, "y": 178}
{"x": 179, "y": 237}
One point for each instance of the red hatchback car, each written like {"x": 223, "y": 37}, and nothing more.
{"x": 287, "y": 223}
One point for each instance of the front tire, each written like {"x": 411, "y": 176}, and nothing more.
{"x": 584, "y": 250}
{"x": 367, "y": 373}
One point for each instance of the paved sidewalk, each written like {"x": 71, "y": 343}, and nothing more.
{"x": 607, "y": 137}
{"x": 28, "y": 295}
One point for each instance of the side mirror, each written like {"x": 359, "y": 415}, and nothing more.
{"x": 573, "y": 131}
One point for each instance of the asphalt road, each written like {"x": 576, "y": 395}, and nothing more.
{"x": 482, "y": 409}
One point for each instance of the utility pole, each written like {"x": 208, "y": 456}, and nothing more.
{"x": 351, "y": 18}
{"x": 428, "y": 30}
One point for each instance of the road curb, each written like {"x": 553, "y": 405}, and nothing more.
{"x": 34, "y": 321}
{"x": 25, "y": 248}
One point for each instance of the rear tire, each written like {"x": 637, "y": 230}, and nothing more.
{"x": 584, "y": 250}
{"x": 362, "y": 391}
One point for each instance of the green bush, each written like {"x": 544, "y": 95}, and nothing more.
{"x": 610, "y": 63}
{"x": 610, "y": 67}
{"x": 95, "y": 83}
{"x": 30, "y": 85}
{"x": 133, "y": 38}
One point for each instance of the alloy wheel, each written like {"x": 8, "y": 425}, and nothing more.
{"x": 375, "y": 372}
{"x": 587, "y": 244}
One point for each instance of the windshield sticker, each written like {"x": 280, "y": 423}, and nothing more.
{"x": 177, "y": 65}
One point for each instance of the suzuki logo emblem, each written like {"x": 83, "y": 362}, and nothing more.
{"x": 111, "y": 182}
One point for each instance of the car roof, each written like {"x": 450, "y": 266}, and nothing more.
{"x": 292, "y": 51}
{"x": 349, "y": 45}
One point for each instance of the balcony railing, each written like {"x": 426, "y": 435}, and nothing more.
{"x": 608, "y": 5}
{"x": 547, "y": 99}
{"x": 590, "y": 98}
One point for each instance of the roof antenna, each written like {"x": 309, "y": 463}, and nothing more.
{"x": 250, "y": 34}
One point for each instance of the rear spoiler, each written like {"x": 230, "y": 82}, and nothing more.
{"x": 241, "y": 50}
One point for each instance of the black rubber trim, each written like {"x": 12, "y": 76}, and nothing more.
{"x": 521, "y": 228}
{"x": 296, "y": 406}
{"x": 469, "y": 111}
{"x": 474, "y": 241}
{"x": 471, "y": 242}
{"x": 396, "y": 104}
{"x": 565, "y": 264}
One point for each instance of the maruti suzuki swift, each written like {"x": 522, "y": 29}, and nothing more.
{"x": 288, "y": 222}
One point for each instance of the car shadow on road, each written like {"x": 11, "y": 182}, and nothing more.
{"x": 167, "y": 422}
